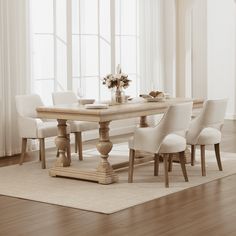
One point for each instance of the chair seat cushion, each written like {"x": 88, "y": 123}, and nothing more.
{"x": 173, "y": 143}
{"x": 49, "y": 129}
{"x": 80, "y": 126}
{"x": 209, "y": 136}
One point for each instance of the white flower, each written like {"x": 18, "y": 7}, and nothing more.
{"x": 108, "y": 83}
{"x": 122, "y": 83}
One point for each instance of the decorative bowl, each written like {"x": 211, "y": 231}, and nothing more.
{"x": 155, "y": 99}
{"x": 84, "y": 101}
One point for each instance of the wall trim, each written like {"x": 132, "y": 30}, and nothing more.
{"x": 230, "y": 116}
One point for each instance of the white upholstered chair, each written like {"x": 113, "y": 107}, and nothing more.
{"x": 77, "y": 127}
{"x": 166, "y": 138}
{"x": 31, "y": 127}
{"x": 205, "y": 129}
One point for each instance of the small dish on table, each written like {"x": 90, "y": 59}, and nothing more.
{"x": 154, "y": 96}
{"x": 84, "y": 101}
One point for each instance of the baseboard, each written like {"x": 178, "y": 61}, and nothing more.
{"x": 230, "y": 116}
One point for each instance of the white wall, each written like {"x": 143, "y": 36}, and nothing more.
{"x": 221, "y": 50}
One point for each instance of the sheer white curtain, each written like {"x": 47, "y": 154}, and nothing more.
{"x": 14, "y": 69}
{"x": 151, "y": 45}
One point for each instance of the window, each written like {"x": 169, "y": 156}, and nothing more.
{"x": 77, "y": 42}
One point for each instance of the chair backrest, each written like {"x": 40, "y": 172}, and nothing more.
{"x": 212, "y": 115}
{"x": 67, "y": 97}
{"x": 213, "y": 112}
{"x": 26, "y": 105}
{"x": 176, "y": 119}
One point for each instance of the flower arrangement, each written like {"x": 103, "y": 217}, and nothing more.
{"x": 119, "y": 80}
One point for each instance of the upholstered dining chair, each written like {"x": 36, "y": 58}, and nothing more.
{"x": 31, "y": 127}
{"x": 77, "y": 127}
{"x": 166, "y": 138}
{"x": 205, "y": 129}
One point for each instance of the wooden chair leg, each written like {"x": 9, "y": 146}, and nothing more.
{"x": 68, "y": 150}
{"x": 40, "y": 157}
{"x": 57, "y": 152}
{"x": 76, "y": 142}
{"x": 217, "y": 152}
{"x": 182, "y": 163}
{"x": 23, "y": 150}
{"x": 156, "y": 164}
{"x": 203, "y": 164}
{"x": 42, "y": 150}
{"x": 165, "y": 159}
{"x": 193, "y": 150}
{"x": 170, "y": 162}
{"x": 79, "y": 143}
{"x": 131, "y": 165}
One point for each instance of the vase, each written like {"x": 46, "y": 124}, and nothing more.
{"x": 117, "y": 95}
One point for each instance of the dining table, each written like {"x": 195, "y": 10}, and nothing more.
{"x": 104, "y": 173}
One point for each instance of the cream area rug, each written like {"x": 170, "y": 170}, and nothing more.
{"x": 29, "y": 181}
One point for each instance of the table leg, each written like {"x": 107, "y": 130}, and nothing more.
{"x": 62, "y": 142}
{"x": 105, "y": 172}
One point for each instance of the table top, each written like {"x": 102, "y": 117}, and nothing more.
{"x": 115, "y": 112}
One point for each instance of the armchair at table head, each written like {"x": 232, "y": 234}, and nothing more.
{"x": 206, "y": 128}
{"x": 167, "y": 137}
{"x": 31, "y": 127}
{"x": 77, "y": 127}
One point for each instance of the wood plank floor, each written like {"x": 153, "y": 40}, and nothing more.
{"x": 209, "y": 209}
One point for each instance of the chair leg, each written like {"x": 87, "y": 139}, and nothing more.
{"x": 40, "y": 158}
{"x": 193, "y": 150}
{"x": 131, "y": 165}
{"x": 57, "y": 152}
{"x": 165, "y": 159}
{"x": 203, "y": 164}
{"x": 217, "y": 152}
{"x": 42, "y": 151}
{"x": 68, "y": 150}
{"x": 76, "y": 141}
{"x": 170, "y": 162}
{"x": 79, "y": 143}
{"x": 182, "y": 163}
{"x": 23, "y": 150}
{"x": 156, "y": 164}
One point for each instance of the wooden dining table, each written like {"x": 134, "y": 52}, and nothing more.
{"x": 104, "y": 173}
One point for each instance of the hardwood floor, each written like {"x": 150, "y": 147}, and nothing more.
{"x": 208, "y": 209}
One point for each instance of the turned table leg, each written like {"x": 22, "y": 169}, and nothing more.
{"x": 106, "y": 174}
{"x": 62, "y": 142}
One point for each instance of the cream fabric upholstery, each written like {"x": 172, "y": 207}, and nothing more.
{"x": 209, "y": 136}
{"x": 69, "y": 97}
{"x": 173, "y": 143}
{"x": 164, "y": 137}
{"x": 31, "y": 127}
{"x": 205, "y": 128}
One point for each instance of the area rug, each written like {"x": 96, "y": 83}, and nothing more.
{"x": 30, "y": 182}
